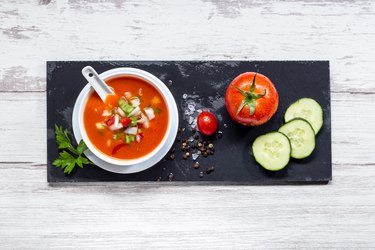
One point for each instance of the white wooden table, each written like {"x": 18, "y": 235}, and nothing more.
{"x": 34, "y": 214}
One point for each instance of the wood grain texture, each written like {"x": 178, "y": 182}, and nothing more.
{"x": 343, "y": 32}
{"x": 125, "y": 215}
{"x": 36, "y": 215}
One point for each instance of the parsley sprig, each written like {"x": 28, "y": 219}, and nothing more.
{"x": 72, "y": 156}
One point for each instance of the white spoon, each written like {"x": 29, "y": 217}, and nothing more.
{"x": 100, "y": 87}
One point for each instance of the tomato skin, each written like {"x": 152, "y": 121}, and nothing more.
{"x": 207, "y": 123}
{"x": 266, "y": 106}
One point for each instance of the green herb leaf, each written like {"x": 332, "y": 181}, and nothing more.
{"x": 81, "y": 147}
{"x": 67, "y": 161}
{"x": 62, "y": 139}
{"x": 157, "y": 110}
{"x": 81, "y": 161}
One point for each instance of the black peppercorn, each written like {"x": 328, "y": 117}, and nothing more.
{"x": 196, "y": 165}
{"x": 210, "y": 169}
{"x": 220, "y": 135}
{"x": 170, "y": 177}
{"x": 172, "y": 156}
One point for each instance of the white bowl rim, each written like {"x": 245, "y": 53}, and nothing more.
{"x": 156, "y": 83}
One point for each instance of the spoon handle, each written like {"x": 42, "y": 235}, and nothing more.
{"x": 100, "y": 87}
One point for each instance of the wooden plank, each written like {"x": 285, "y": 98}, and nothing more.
{"x": 23, "y": 126}
{"x": 36, "y": 215}
{"x": 342, "y": 32}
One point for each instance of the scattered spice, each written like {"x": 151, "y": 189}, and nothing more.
{"x": 194, "y": 145}
{"x": 170, "y": 177}
{"x": 196, "y": 165}
{"x": 219, "y": 135}
{"x": 195, "y": 156}
{"x": 210, "y": 169}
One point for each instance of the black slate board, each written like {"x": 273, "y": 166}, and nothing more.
{"x": 207, "y": 80}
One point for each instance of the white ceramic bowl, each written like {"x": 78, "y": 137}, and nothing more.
{"x": 160, "y": 151}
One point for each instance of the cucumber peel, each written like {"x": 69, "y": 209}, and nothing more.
{"x": 301, "y": 136}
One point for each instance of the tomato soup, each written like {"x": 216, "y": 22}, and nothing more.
{"x": 131, "y": 123}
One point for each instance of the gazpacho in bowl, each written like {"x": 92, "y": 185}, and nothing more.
{"x": 132, "y": 125}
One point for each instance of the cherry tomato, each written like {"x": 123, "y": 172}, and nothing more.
{"x": 207, "y": 123}
{"x": 251, "y": 99}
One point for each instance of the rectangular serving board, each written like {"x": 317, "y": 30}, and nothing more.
{"x": 203, "y": 84}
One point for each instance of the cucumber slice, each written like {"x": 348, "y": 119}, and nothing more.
{"x": 272, "y": 151}
{"x": 301, "y": 136}
{"x": 308, "y": 109}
